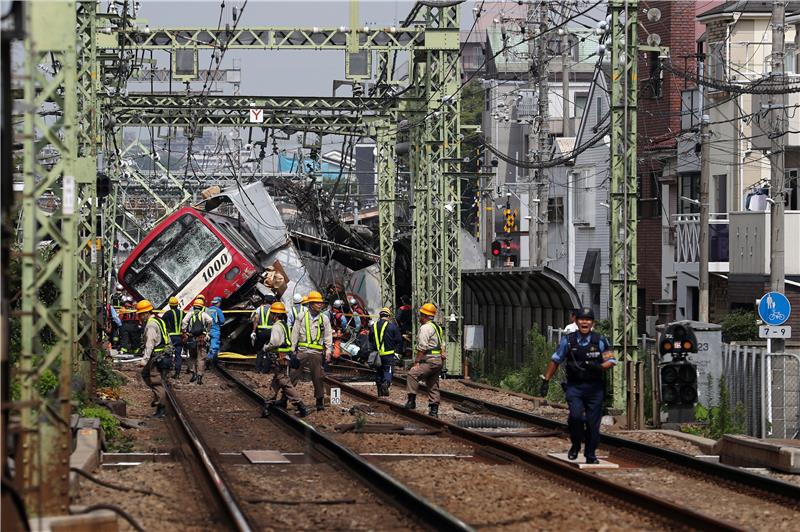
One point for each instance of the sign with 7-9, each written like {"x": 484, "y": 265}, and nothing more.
{"x": 774, "y": 331}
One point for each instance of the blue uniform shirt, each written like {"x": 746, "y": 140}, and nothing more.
{"x": 217, "y": 317}
{"x": 561, "y": 351}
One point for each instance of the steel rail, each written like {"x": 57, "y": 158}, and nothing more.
{"x": 391, "y": 490}
{"x": 751, "y": 480}
{"x": 627, "y": 496}
{"x": 222, "y": 494}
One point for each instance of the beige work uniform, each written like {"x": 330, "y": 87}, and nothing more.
{"x": 280, "y": 378}
{"x": 311, "y": 358}
{"x": 430, "y": 367}
{"x": 199, "y": 352}
{"x": 151, "y": 375}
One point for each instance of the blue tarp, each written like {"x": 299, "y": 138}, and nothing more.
{"x": 289, "y": 165}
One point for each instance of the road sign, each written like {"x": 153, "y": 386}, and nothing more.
{"x": 256, "y": 116}
{"x": 774, "y": 331}
{"x": 774, "y": 308}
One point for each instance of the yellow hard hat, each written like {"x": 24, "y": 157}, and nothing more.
{"x": 201, "y": 297}
{"x": 143, "y": 306}
{"x": 304, "y": 300}
{"x": 314, "y": 297}
{"x": 428, "y": 309}
{"x": 173, "y": 301}
{"x": 385, "y": 310}
{"x": 277, "y": 308}
{"x": 199, "y": 302}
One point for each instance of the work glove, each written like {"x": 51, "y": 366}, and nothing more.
{"x": 544, "y": 387}
{"x": 253, "y": 338}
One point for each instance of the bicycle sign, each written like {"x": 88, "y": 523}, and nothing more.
{"x": 774, "y": 308}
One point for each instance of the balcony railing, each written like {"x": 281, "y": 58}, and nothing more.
{"x": 687, "y": 238}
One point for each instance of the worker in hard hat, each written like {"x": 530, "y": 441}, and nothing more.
{"x": 118, "y": 297}
{"x": 296, "y": 310}
{"x": 157, "y": 354}
{"x": 215, "y": 334}
{"x": 429, "y": 361}
{"x": 195, "y": 328}
{"x": 385, "y": 339}
{"x": 312, "y": 342}
{"x": 277, "y": 351}
{"x": 173, "y": 319}
{"x": 130, "y": 332}
{"x": 262, "y": 330}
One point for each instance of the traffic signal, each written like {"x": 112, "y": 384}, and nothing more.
{"x": 679, "y": 383}
{"x": 497, "y": 248}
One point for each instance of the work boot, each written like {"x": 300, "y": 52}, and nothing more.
{"x": 199, "y": 379}
{"x": 433, "y": 409}
{"x": 161, "y": 411}
{"x": 320, "y": 404}
{"x": 194, "y": 377}
{"x": 302, "y": 410}
{"x": 411, "y": 404}
{"x": 385, "y": 389}
{"x": 380, "y": 390}
{"x": 282, "y": 403}
{"x": 573, "y": 452}
{"x": 592, "y": 460}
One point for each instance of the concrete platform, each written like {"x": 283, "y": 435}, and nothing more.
{"x": 580, "y": 462}
{"x": 99, "y": 521}
{"x": 707, "y": 445}
{"x": 86, "y": 455}
{"x": 737, "y": 450}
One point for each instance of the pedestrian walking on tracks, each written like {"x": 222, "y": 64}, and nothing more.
{"x": 173, "y": 319}
{"x": 157, "y": 354}
{"x": 277, "y": 352}
{"x": 195, "y": 328}
{"x": 587, "y": 356}
{"x": 429, "y": 361}
{"x": 312, "y": 342}
{"x": 385, "y": 340}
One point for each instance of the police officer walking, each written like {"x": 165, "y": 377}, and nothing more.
{"x": 157, "y": 359}
{"x": 173, "y": 319}
{"x": 429, "y": 361}
{"x": 195, "y": 328}
{"x": 277, "y": 350}
{"x": 386, "y": 340}
{"x": 312, "y": 341}
{"x": 262, "y": 329}
{"x": 586, "y": 356}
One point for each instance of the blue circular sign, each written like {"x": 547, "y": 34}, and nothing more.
{"x": 774, "y": 308}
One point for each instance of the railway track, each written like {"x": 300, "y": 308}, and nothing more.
{"x": 574, "y": 488}
{"x": 731, "y": 493}
{"x": 255, "y": 496}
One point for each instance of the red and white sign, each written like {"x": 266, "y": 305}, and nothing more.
{"x": 256, "y": 116}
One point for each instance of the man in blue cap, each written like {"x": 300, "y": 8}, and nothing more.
{"x": 587, "y": 356}
{"x": 217, "y": 319}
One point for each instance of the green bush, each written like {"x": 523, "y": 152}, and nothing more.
{"x": 739, "y": 326}
{"x": 116, "y": 440}
{"x": 527, "y": 379}
{"x": 715, "y": 421}
{"x": 106, "y": 376}
{"x": 47, "y": 382}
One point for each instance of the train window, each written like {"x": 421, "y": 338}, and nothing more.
{"x": 233, "y": 272}
{"x": 151, "y": 285}
{"x": 188, "y": 253}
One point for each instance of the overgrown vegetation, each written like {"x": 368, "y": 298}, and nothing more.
{"x": 739, "y": 326}
{"x": 106, "y": 376}
{"x": 715, "y": 421}
{"x": 115, "y": 439}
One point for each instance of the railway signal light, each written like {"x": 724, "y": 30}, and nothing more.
{"x": 679, "y": 376}
{"x": 497, "y": 248}
{"x": 677, "y": 340}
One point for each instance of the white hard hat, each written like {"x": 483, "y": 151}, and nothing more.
{"x": 352, "y": 301}
{"x": 297, "y": 298}
{"x": 119, "y": 287}
{"x": 337, "y": 303}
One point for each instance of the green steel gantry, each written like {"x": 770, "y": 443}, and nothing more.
{"x": 86, "y": 48}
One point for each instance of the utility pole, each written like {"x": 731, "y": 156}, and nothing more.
{"x": 566, "y": 65}
{"x": 777, "y": 107}
{"x": 537, "y": 202}
{"x": 705, "y": 169}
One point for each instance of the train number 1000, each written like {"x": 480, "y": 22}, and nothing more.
{"x": 214, "y": 268}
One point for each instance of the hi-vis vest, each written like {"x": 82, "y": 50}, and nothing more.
{"x": 164, "y": 336}
{"x": 264, "y": 324}
{"x": 315, "y": 343}
{"x": 439, "y": 335}
{"x": 287, "y": 339}
{"x": 179, "y": 315}
{"x": 379, "y": 338}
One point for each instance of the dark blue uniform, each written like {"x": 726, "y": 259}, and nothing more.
{"x": 386, "y": 342}
{"x": 582, "y": 357}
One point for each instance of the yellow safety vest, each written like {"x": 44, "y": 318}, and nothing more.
{"x": 440, "y": 337}
{"x": 312, "y": 344}
{"x": 379, "y": 338}
{"x": 287, "y": 339}
{"x": 164, "y": 336}
{"x": 179, "y": 315}
{"x": 264, "y": 324}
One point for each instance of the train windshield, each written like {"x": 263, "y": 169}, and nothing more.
{"x": 181, "y": 250}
